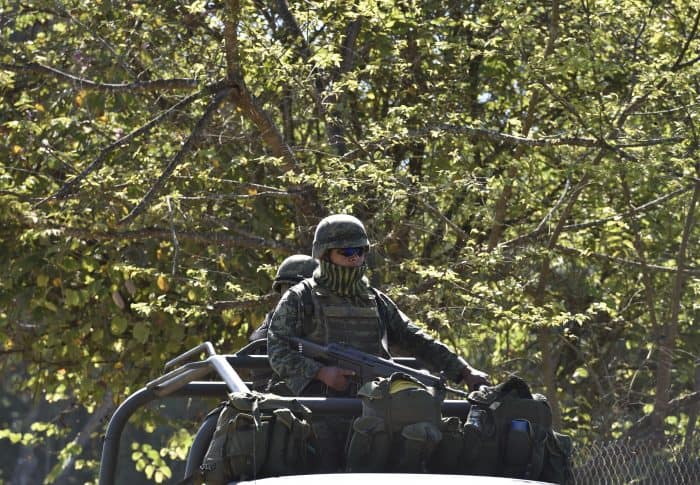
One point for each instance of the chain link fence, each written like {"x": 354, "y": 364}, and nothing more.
{"x": 637, "y": 462}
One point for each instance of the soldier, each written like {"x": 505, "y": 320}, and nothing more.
{"x": 292, "y": 270}
{"x": 338, "y": 305}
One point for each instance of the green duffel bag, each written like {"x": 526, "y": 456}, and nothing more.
{"x": 259, "y": 435}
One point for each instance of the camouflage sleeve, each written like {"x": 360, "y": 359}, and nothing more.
{"x": 296, "y": 370}
{"x": 410, "y": 337}
{"x": 261, "y": 331}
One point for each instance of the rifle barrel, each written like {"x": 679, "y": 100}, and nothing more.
{"x": 370, "y": 365}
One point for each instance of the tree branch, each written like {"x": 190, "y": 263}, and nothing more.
{"x": 553, "y": 141}
{"x": 304, "y": 51}
{"x": 219, "y": 238}
{"x": 176, "y": 243}
{"x": 694, "y": 60}
{"x": 541, "y": 226}
{"x": 70, "y": 186}
{"x": 669, "y": 331}
{"x": 545, "y": 341}
{"x": 674, "y": 406}
{"x": 266, "y": 301}
{"x": 534, "y": 235}
{"x": 82, "y": 83}
{"x": 626, "y": 262}
{"x": 694, "y": 32}
{"x": 310, "y": 208}
{"x": 242, "y": 96}
{"x": 335, "y": 131}
{"x": 179, "y": 156}
{"x": 81, "y": 440}
{"x": 646, "y": 276}
{"x": 500, "y": 208}
{"x": 506, "y": 140}
{"x": 441, "y": 217}
{"x": 293, "y": 27}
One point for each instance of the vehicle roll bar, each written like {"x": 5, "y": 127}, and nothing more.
{"x": 183, "y": 381}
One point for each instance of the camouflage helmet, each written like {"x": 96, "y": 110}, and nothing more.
{"x": 338, "y": 231}
{"x": 294, "y": 269}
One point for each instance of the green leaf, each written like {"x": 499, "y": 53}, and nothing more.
{"x": 141, "y": 332}
{"x": 118, "y": 324}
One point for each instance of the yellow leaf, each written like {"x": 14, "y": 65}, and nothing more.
{"x": 56, "y": 282}
{"x": 104, "y": 118}
{"x": 16, "y": 149}
{"x": 39, "y": 107}
{"x": 79, "y": 98}
{"x": 216, "y": 163}
{"x": 252, "y": 191}
{"x": 163, "y": 283}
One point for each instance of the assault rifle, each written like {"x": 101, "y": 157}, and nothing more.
{"x": 366, "y": 366}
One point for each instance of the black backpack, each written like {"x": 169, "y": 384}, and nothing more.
{"x": 509, "y": 433}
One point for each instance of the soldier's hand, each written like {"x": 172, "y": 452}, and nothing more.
{"x": 335, "y": 377}
{"x": 474, "y": 378}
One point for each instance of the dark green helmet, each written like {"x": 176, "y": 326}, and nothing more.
{"x": 294, "y": 269}
{"x": 338, "y": 231}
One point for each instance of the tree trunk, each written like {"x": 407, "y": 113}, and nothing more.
{"x": 667, "y": 345}
{"x": 504, "y": 198}
{"x": 83, "y": 437}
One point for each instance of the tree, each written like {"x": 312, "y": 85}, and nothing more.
{"x": 527, "y": 171}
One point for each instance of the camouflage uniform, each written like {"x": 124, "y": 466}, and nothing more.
{"x": 345, "y": 309}
{"x": 392, "y": 323}
{"x": 291, "y": 271}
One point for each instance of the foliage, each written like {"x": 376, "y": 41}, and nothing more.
{"x": 527, "y": 171}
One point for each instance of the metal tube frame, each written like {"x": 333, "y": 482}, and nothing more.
{"x": 180, "y": 383}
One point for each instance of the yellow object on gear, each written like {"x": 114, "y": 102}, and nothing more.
{"x": 403, "y": 385}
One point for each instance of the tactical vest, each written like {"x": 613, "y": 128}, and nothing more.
{"x": 337, "y": 319}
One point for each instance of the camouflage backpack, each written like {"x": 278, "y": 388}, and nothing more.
{"x": 509, "y": 433}
{"x": 399, "y": 427}
{"x": 259, "y": 435}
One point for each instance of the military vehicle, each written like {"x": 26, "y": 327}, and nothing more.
{"x": 183, "y": 377}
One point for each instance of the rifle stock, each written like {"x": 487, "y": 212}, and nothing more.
{"x": 366, "y": 366}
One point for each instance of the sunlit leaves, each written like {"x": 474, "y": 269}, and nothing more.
{"x": 149, "y": 460}
{"x": 110, "y": 304}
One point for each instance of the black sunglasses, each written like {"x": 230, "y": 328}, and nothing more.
{"x": 350, "y": 252}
